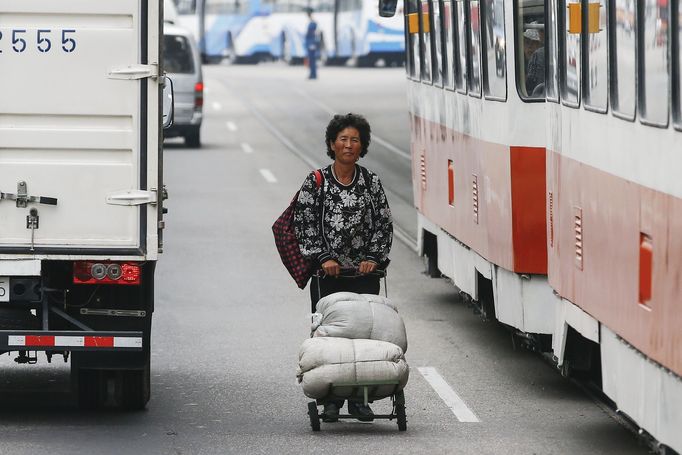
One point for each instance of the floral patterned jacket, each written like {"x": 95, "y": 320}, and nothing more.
{"x": 349, "y": 224}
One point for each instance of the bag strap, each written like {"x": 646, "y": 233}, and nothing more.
{"x": 318, "y": 178}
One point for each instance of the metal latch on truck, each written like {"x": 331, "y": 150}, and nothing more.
{"x": 132, "y": 72}
{"x": 22, "y": 198}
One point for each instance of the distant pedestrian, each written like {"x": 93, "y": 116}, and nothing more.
{"x": 312, "y": 45}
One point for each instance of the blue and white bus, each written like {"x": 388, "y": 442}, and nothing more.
{"x": 232, "y": 29}
{"x": 365, "y": 37}
{"x": 288, "y": 24}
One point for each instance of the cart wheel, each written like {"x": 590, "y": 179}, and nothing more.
{"x": 402, "y": 417}
{"x": 314, "y": 416}
{"x": 399, "y": 403}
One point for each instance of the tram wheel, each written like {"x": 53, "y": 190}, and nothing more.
{"x": 314, "y": 416}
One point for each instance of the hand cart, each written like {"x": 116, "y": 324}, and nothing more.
{"x": 359, "y": 390}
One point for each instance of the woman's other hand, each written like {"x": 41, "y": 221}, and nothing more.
{"x": 367, "y": 267}
{"x": 331, "y": 268}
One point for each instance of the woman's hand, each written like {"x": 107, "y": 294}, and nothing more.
{"x": 367, "y": 267}
{"x": 331, "y": 267}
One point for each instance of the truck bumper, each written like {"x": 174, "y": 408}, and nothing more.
{"x": 23, "y": 340}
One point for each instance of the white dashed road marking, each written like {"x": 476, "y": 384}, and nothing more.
{"x": 231, "y": 126}
{"x": 217, "y": 106}
{"x": 268, "y": 176}
{"x": 247, "y": 148}
{"x": 448, "y": 395}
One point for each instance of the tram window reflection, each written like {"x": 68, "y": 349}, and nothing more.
{"x": 495, "y": 49}
{"x": 596, "y": 90}
{"x": 186, "y": 6}
{"x": 437, "y": 43}
{"x": 425, "y": 27}
{"x": 530, "y": 58}
{"x": 413, "y": 58}
{"x": 654, "y": 72}
{"x": 623, "y": 68}
{"x": 570, "y": 44}
{"x": 461, "y": 68}
{"x": 474, "y": 48}
{"x": 449, "y": 44}
{"x": 552, "y": 57}
{"x": 677, "y": 36}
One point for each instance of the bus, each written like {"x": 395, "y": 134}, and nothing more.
{"x": 228, "y": 29}
{"x": 288, "y": 23}
{"x": 364, "y": 37}
{"x": 545, "y": 142}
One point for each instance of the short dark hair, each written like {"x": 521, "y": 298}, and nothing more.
{"x": 340, "y": 123}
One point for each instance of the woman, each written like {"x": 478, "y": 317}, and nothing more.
{"x": 345, "y": 222}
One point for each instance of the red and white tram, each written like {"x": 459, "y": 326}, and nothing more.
{"x": 547, "y": 151}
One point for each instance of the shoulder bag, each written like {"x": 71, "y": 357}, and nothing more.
{"x": 300, "y": 268}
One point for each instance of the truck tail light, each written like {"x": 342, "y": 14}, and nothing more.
{"x": 199, "y": 94}
{"x": 106, "y": 272}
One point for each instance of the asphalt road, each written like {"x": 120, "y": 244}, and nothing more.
{"x": 229, "y": 320}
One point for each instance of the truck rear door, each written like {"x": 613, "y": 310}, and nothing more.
{"x": 78, "y": 115}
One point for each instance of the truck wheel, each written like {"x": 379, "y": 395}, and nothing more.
{"x": 91, "y": 388}
{"x": 193, "y": 139}
{"x": 135, "y": 389}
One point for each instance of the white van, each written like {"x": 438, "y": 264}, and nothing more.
{"x": 182, "y": 63}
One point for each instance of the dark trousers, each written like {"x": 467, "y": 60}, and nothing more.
{"x": 312, "y": 63}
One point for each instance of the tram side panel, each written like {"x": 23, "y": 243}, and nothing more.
{"x": 489, "y": 196}
{"x": 614, "y": 254}
{"x": 614, "y": 208}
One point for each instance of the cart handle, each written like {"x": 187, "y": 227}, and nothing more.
{"x": 350, "y": 272}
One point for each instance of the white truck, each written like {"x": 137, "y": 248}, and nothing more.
{"x": 81, "y": 189}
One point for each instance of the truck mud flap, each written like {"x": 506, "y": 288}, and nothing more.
{"x": 22, "y": 340}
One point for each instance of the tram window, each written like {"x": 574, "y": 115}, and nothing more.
{"x": 436, "y": 43}
{"x": 495, "y": 56}
{"x": 677, "y": 38}
{"x": 449, "y": 44}
{"x": 461, "y": 68}
{"x": 474, "y": 48}
{"x": 425, "y": 28}
{"x": 530, "y": 57}
{"x": 552, "y": 57}
{"x": 654, "y": 62}
{"x": 596, "y": 88}
{"x": 570, "y": 46}
{"x": 624, "y": 51}
{"x": 412, "y": 29}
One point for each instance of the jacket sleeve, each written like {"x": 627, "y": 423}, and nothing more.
{"x": 307, "y": 221}
{"x": 382, "y": 238}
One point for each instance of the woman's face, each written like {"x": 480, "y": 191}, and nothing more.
{"x": 347, "y": 146}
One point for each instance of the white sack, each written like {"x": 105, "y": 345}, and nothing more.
{"x": 325, "y": 361}
{"x": 359, "y": 316}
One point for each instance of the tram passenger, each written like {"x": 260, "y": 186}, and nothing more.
{"x": 345, "y": 223}
{"x": 534, "y": 51}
